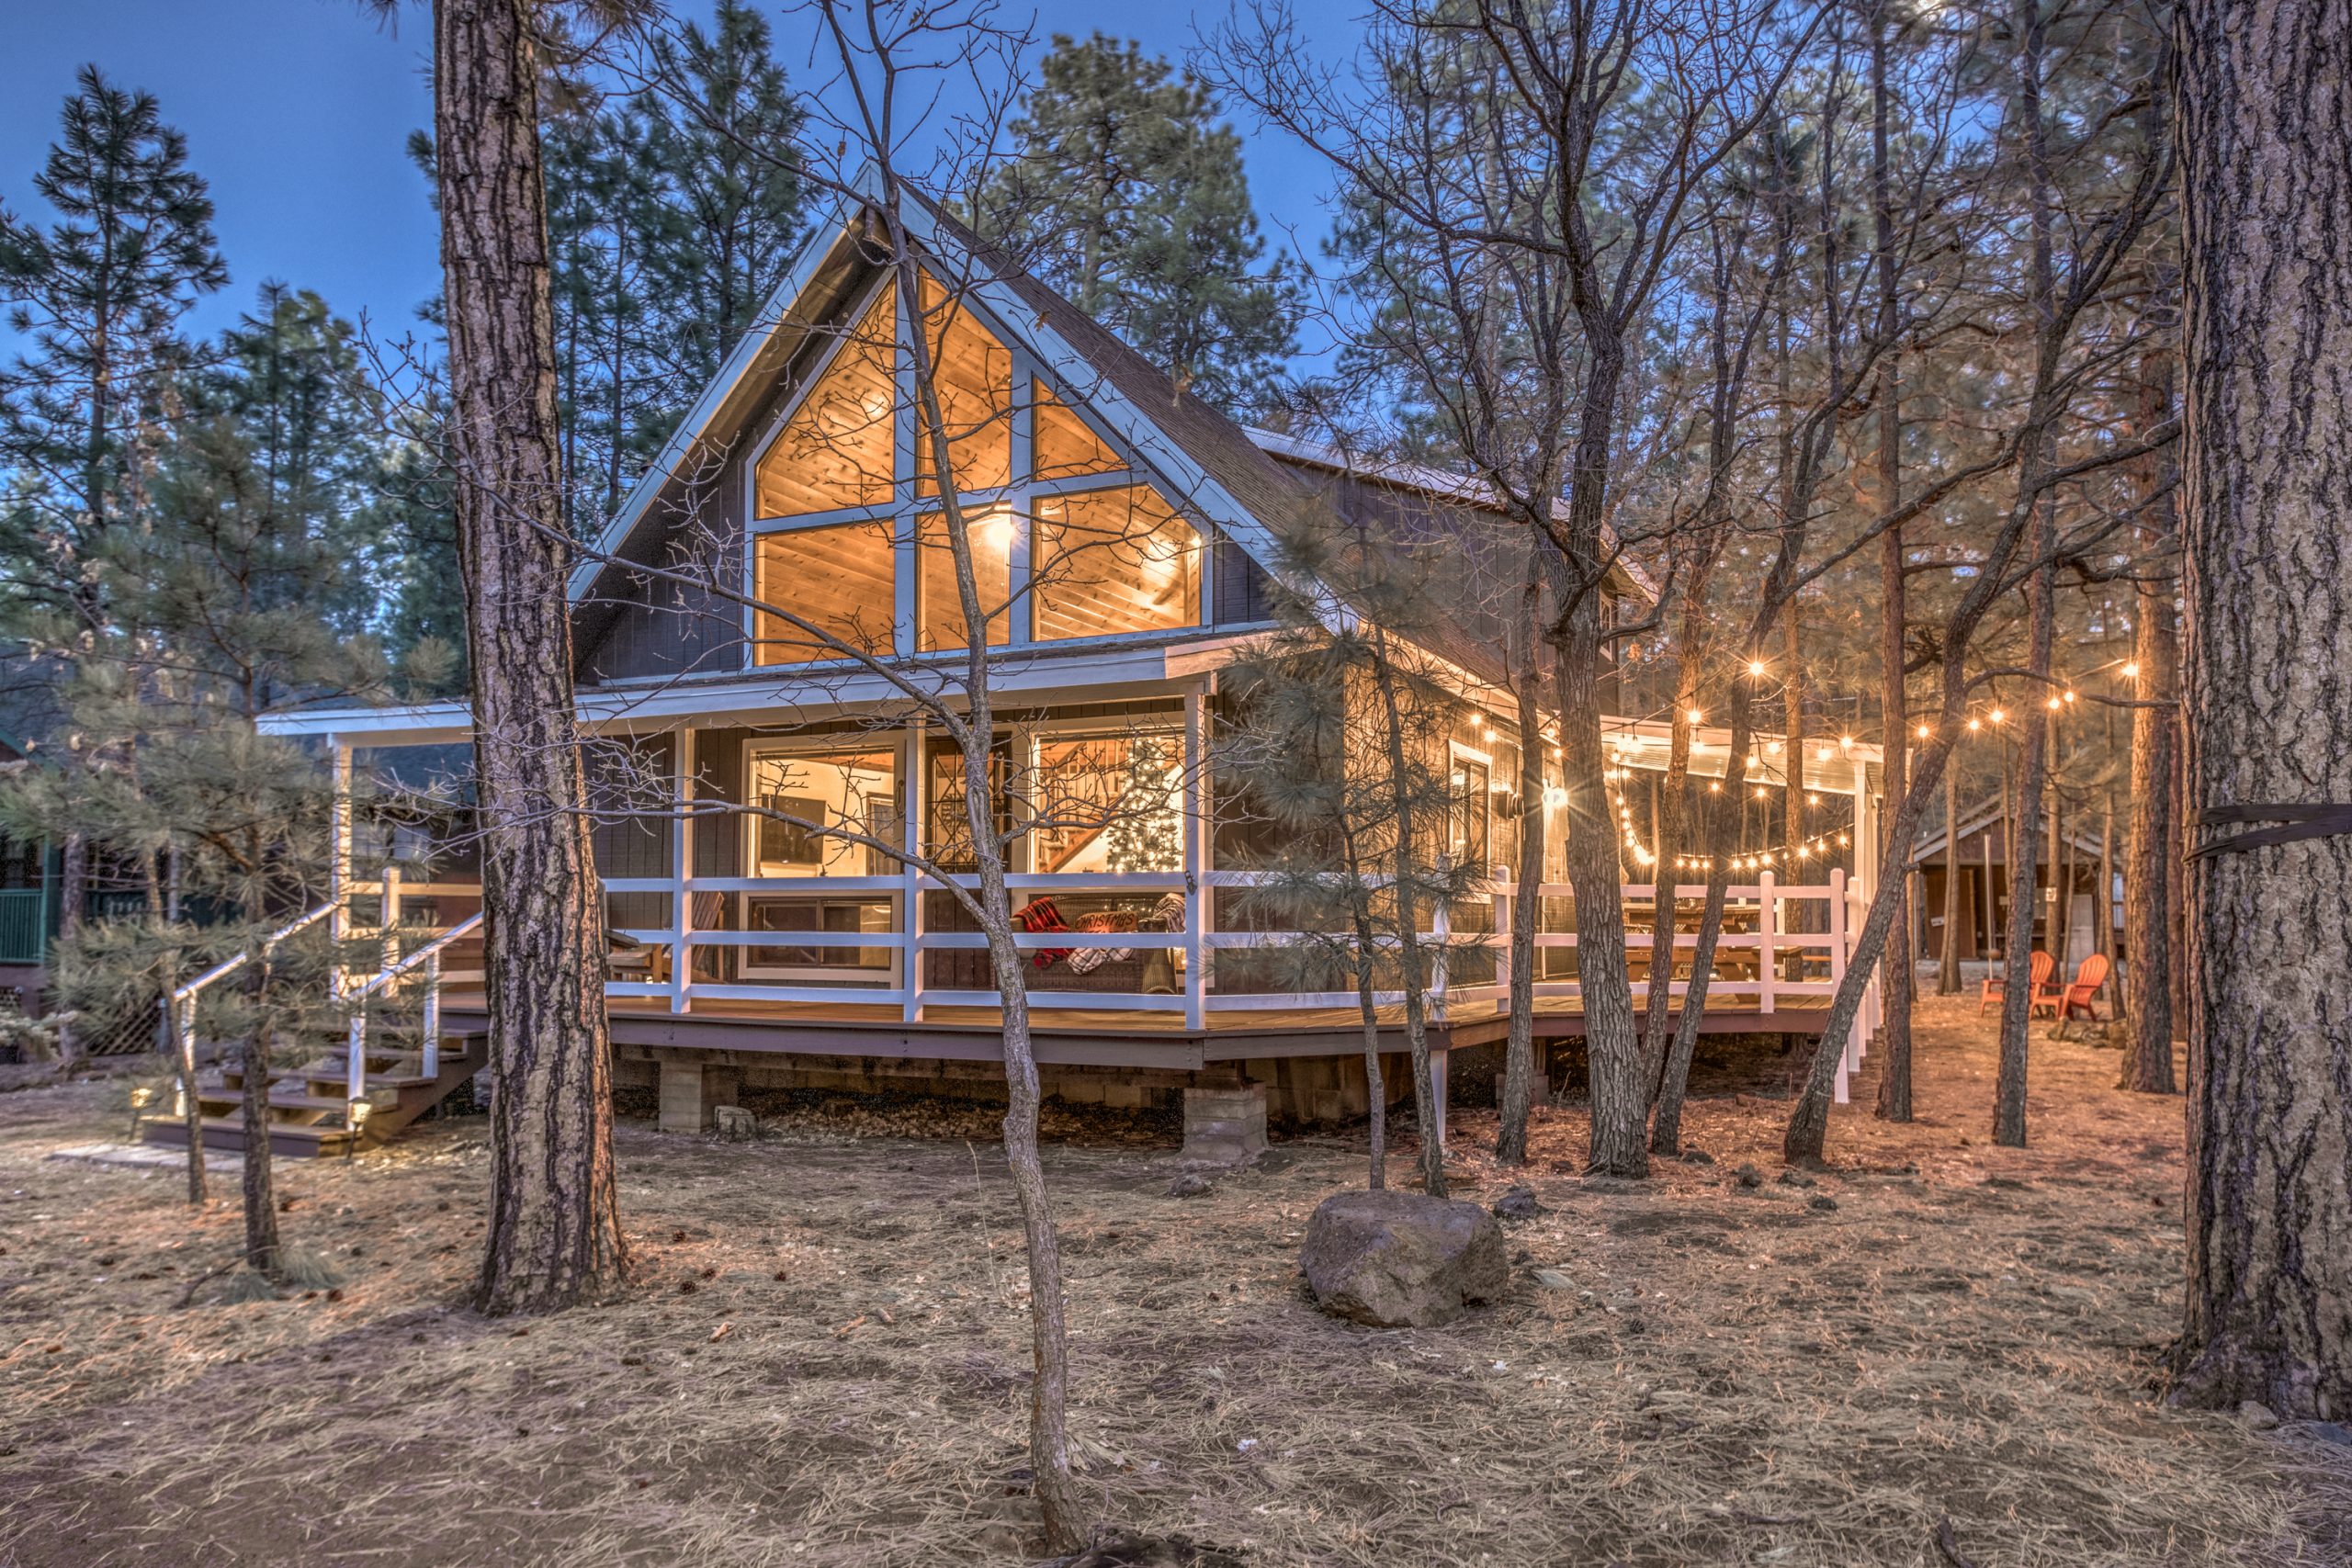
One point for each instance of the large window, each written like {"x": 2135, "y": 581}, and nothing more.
{"x": 812, "y": 811}
{"x": 973, "y": 376}
{"x": 940, "y": 620}
{"x": 838, "y": 579}
{"x": 1114, "y": 560}
{"x": 1109, "y": 802}
{"x": 849, "y": 541}
{"x": 836, "y": 449}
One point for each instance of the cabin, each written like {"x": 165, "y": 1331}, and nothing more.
{"x": 1127, "y": 540}
{"x": 27, "y": 904}
{"x": 1978, "y": 859}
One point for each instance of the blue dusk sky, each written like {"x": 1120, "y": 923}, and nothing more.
{"x": 296, "y": 112}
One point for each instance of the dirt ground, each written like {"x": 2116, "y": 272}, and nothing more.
{"x": 823, "y": 1360}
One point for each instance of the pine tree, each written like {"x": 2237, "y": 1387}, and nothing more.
{"x": 221, "y": 591}
{"x": 1126, "y": 195}
{"x": 723, "y": 142}
{"x": 97, "y": 294}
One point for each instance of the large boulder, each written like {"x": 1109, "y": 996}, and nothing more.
{"x": 1400, "y": 1260}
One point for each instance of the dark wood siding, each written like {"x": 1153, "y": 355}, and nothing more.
{"x": 1240, "y": 592}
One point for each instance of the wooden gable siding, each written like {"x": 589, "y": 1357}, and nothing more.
{"x": 1240, "y": 592}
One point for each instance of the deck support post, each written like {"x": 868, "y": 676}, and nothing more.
{"x": 1225, "y": 1123}
{"x": 691, "y": 1091}
{"x": 1766, "y": 918}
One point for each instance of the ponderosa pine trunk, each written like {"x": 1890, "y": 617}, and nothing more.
{"x": 1901, "y": 969}
{"x": 2025, "y": 865}
{"x": 1527, "y": 901}
{"x": 1620, "y": 1092}
{"x": 2149, "y": 861}
{"x": 554, "y": 1236}
{"x": 2264, "y": 109}
{"x": 253, "y": 1063}
{"x": 1405, "y": 867}
{"x": 1948, "y": 949}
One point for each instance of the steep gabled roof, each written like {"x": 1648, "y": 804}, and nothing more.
{"x": 1255, "y": 488}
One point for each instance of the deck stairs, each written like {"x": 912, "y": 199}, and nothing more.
{"x": 308, "y": 1111}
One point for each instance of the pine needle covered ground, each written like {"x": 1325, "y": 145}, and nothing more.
{"x": 825, "y": 1359}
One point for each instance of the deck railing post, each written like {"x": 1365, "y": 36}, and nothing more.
{"x": 388, "y": 936}
{"x": 432, "y": 1023}
{"x": 1197, "y": 900}
{"x": 339, "y": 866}
{"x": 1441, "y": 935}
{"x": 682, "y": 848}
{"x": 917, "y": 789}
{"x": 355, "y": 1047}
{"x": 1765, "y": 963}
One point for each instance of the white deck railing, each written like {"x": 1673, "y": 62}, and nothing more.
{"x": 907, "y": 941}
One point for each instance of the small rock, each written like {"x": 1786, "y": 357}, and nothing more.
{"x": 1192, "y": 1184}
{"x": 1394, "y": 1259}
{"x": 1748, "y": 1176}
{"x": 2329, "y": 1432}
{"x": 1697, "y": 1157}
{"x": 734, "y": 1124}
{"x": 1553, "y": 1280}
{"x": 2256, "y": 1415}
{"x": 1824, "y": 1203}
{"x": 1795, "y": 1178}
{"x": 1517, "y": 1203}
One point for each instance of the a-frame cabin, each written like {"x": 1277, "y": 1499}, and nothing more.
{"x": 1126, "y": 537}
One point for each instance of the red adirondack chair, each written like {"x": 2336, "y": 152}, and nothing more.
{"x": 2038, "y": 992}
{"x": 2084, "y": 987}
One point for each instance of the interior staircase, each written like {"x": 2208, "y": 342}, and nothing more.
{"x": 308, "y": 1108}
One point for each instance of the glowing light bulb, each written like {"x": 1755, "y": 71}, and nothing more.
{"x": 1975, "y": 724}
{"x": 1811, "y": 798}
{"x": 1716, "y": 787}
{"x": 1756, "y": 667}
{"x": 2053, "y": 705}
{"x": 2070, "y": 697}
{"x": 2132, "y": 669}
{"x": 1924, "y": 732}
{"x": 1693, "y": 716}
{"x": 1995, "y": 715}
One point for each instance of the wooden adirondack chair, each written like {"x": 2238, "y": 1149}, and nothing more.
{"x": 2038, "y": 991}
{"x": 2081, "y": 993}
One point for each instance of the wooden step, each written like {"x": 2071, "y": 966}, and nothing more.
{"x": 398, "y": 1092}
{"x": 296, "y": 1139}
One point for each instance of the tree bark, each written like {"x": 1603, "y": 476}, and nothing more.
{"x": 2025, "y": 861}
{"x": 2149, "y": 862}
{"x": 554, "y": 1236}
{"x": 1947, "y": 950}
{"x": 1894, "y": 1077}
{"x": 2265, "y": 105}
{"x": 253, "y": 1062}
{"x": 1526, "y": 903}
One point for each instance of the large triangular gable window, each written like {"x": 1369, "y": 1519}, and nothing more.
{"x": 849, "y": 539}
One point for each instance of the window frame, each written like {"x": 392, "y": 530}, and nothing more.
{"x": 906, "y": 507}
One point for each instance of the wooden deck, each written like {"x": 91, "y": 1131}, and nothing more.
{"x": 1087, "y": 1036}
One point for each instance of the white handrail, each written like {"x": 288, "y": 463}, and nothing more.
{"x": 177, "y": 1027}
{"x": 355, "y": 1060}
{"x": 230, "y": 966}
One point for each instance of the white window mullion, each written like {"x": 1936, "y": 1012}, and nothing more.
{"x": 905, "y": 434}
{"x": 1018, "y": 621}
